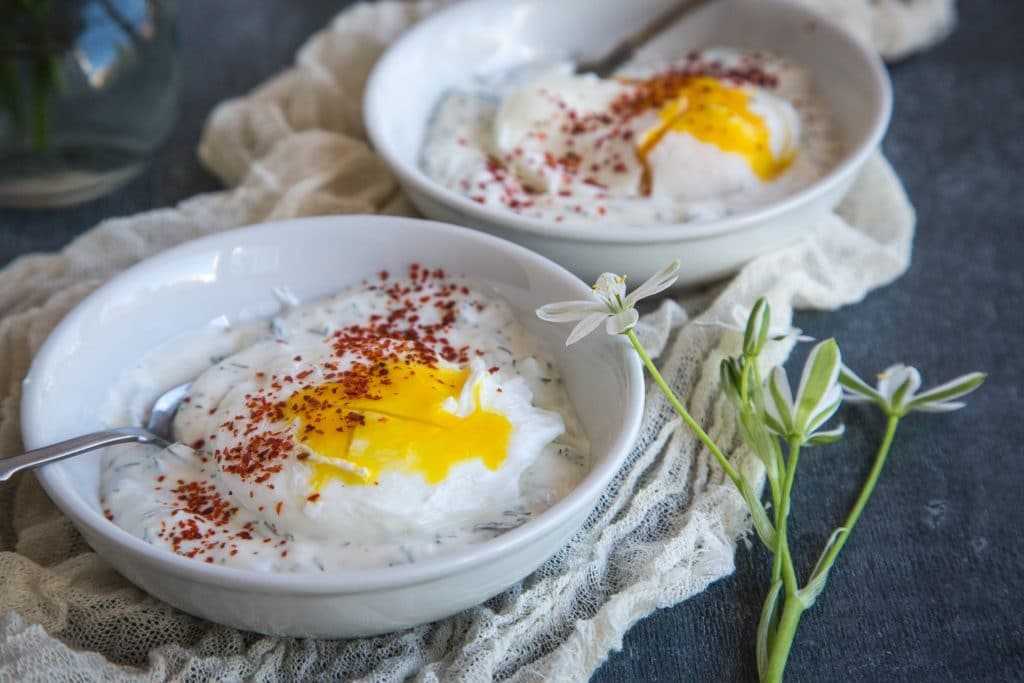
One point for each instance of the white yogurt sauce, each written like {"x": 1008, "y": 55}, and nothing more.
{"x": 550, "y": 145}
{"x": 231, "y": 494}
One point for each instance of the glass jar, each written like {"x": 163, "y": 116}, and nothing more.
{"x": 88, "y": 90}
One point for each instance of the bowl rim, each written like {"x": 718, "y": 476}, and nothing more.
{"x": 375, "y": 99}
{"x": 579, "y": 500}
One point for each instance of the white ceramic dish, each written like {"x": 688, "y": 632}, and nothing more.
{"x": 232, "y": 274}
{"x": 490, "y": 36}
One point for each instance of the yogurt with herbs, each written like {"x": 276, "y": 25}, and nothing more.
{"x": 400, "y": 419}
{"x": 714, "y": 133}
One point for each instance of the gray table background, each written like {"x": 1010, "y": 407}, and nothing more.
{"x": 931, "y": 586}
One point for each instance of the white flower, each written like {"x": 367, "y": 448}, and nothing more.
{"x": 817, "y": 399}
{"x": 610, "y": 304}
{"x": 740, "y": 316}
{"x": 896, "y": 391}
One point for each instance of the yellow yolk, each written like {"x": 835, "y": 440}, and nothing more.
{"x": 719, "y": 115}
{"x": 403, "y": 427}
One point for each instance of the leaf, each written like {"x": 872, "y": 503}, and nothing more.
{"x": 819, "y": 577}
{"x": 585, "y": 327}
{"x": 766, "y": 321}
{"x": 753, "y": 330}
{"x": 771, "y": 423}
{"x": 766, "y": 626}
{"x": 961, "y": 386}
{"x": 826, "y": 438}
{"x": 659, "y": 282}
{"x": 809, "y": 593}
{"x": 781, "y": 395}
{"x": 828, "y": 546}
{"x": 826, "y": 413}
{"x": 901, "y": 393}
{"x": 893, "y": 379}
{"x": 762, "y": 525}
{"x": 820, "y": 374}
{"x": 856, "y": 385}
{"x": 569, "y": 311}
{"x": 940, "y": 407}
{"x": 758, "y": 439}
{"x": 730, "y": 378}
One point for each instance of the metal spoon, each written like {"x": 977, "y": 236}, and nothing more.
{"x": 623, "y": 51}
{"x": 158, "y": 432}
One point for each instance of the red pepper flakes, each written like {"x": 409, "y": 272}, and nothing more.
{"x": 265, "y": 441}
{"x": 197, "y": 502}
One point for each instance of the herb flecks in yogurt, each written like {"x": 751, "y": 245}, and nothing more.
{"x": 696, "y": 139}
{"x": 394, "y": 421}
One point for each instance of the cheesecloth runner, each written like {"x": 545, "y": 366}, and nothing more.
{"x": 666, "y": 528}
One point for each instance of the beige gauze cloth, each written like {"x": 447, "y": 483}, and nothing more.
{"x": 665, "y": 529}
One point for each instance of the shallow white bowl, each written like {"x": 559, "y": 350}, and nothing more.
{"x": 232, "y": 274}
{"x": 489, "y": 36}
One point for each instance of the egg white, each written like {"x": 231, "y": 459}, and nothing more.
{"x": 683, "y": 168}
{"x": 403, "y": 506}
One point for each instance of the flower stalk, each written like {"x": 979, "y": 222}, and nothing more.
{"x": 770, "y": 415}
{"x": 761, "y": 523}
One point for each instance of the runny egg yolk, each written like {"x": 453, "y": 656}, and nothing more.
{"x": 399, "y": 425}
{"x": 719, "y": 115}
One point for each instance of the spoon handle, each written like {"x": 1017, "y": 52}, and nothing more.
{"x": 624, "y": 50}
{"x": 75, "y": 446}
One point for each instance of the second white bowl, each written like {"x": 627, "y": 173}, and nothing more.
{"x": 488, "y": 36}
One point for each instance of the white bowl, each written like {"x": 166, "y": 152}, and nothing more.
{"x": 233, "y": 274}
{"x": 489, "y": 36}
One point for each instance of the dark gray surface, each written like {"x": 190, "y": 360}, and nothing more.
{"x": 931, "y": 586}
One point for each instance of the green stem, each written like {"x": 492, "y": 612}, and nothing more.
{"x": 779, "y": 524}
{"x": 783, "y": 640}
{"x": 865, "y": 493}
{"x": 751, "y": 381}
{"x": 794, "y": 607}
{"x": 771, "y": 627}
{"x": 781, "y": 514}
{"x": 762, "y": 524}
{"x": 789, "y": 575}
{"x": 727, "y": 467}
{"x": 731, "y": 471}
